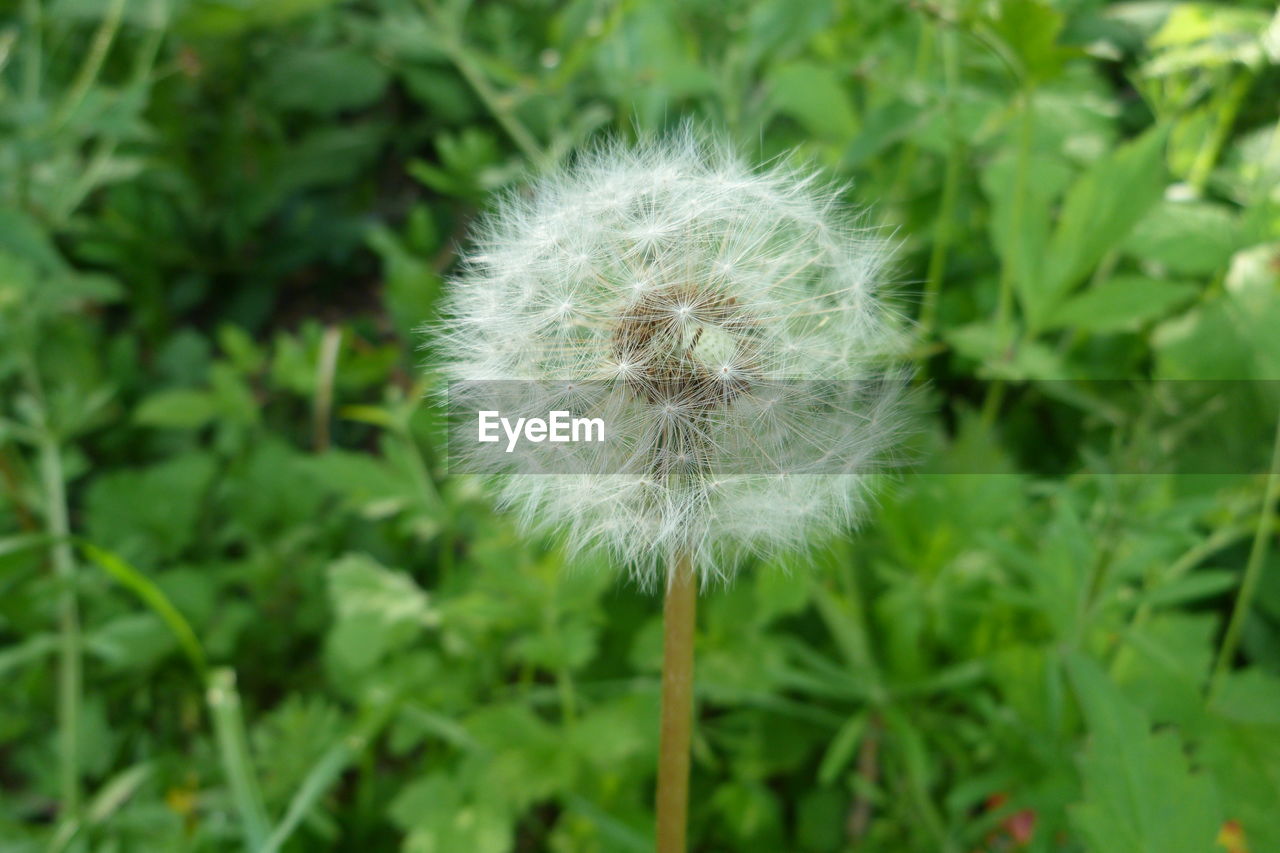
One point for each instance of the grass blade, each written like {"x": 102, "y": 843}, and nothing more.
{"x": 326, "y": 771}
{"x": 151, "y": 595}
{"x": 233, "y": 750}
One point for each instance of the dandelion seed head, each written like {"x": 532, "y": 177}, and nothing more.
{"x": 725, "y": 318}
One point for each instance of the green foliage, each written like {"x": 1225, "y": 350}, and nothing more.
{"x": 244, "y": 604}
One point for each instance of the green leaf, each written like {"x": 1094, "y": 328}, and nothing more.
{"x": 1204, "y": 343}
{"x": 1250, "y": 696}
{"x": 109, "y": 799}
{"x": 1029, "y": 30}
{"x": 1200, "y": 36}
{"x": 231, "y": 17}
{"x": 1233, "y": 335}
{"x": 840, "y": 752}
{"x": 618, "y": 835}
{"x": 152, "y": 596}
{"x": 784, "y": 26}
{"x": 1205, "y": 583}
{"x": 411, "y": 284}
{"x": 1121, "y": 303}
{"x": 181, "y": 408}
{"x": 985, "y": 343}
{"x": 1020, "y": 215}
{"x": 323, "y": 80}
{"x": 328, "y": 155}
{"x": 813, "y": 95}
{"x": 439, "y": 816}
{"x": 378, "y": 609}
{"x": 1140, "y": 794}
{"x": 20, "y": 542}
{"x": 28, "y": 651}
{"x": 22, "y": 236}
{"x": 150, "y": 514}
{"x": 1099, "y": 211}
{"x": 523, "y": 759}
{"x": 325, "y": 772}
{"x": 882, "y": 127}
{"x": 1187, "y": 237}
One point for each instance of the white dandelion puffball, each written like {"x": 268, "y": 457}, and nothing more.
{"x": 721, "y": 321}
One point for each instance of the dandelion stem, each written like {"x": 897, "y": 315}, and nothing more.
{"x": 679, "y": 618}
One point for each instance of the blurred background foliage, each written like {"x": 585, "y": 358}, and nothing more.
{"x": 242, "y": 605}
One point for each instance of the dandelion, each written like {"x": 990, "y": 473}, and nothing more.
{"x": 724, "y": 321}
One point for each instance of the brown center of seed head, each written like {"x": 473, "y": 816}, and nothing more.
{"x": 695, "y": 348}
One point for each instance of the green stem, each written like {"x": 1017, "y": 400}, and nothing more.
{"x": 420, "y": 471}
{"x": 1021, "y": 177}
{"x": 1252, "y": 572}
{"x": 32, "y": 51}
{"x": 906, "y": 163}
{"x": 1008, "y": 269}
{"x": 1218, "y": 541}
{"x": 32, "y": 70}
{"x": 92, "y": 64}
{"x": 498, "y": 105}
{"x": 1202, "y": 167}
{"x": 950, "y": 188}
{"x": 70, "y": 670}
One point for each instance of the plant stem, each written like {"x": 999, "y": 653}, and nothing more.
{"x": 679, "y": 617}
{"x": 869, "y": 772}
{"x": 70, "y": 676}
{"x": 1207, "y": 156}
{"x": 1252, "y": 572}
{"x": 326, "y": 372}
{"x": 1013, "y": 265}
{"x": 499, "y": 106}
{"x": 32, "y": 50}
{"x": 1217, "y": 542}
{"x": 92, "y": 63}
{"x": 950, "y": 188}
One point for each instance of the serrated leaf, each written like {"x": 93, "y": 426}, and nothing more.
{"x": 1140, "y": 794}
{"x": 1029, "y": 29}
